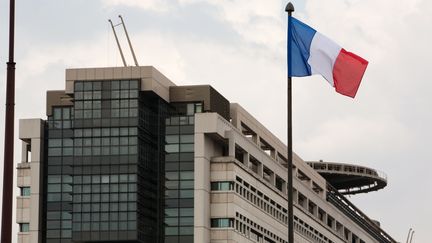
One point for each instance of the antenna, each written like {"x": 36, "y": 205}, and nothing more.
{"x": 118, "y": 43}
{"x": 130, "y": 44}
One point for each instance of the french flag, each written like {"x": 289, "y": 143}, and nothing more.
{"x": 314, "y": 53}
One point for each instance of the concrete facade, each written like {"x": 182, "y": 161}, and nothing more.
{"x": 31, "y": 132}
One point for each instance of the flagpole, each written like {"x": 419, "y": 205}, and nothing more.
{"x": 6, "y": 227}
{"x": 290, "y": 8}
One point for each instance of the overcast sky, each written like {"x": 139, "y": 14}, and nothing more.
{"x": 239, "y": 47}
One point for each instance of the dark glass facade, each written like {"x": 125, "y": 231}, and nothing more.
{"x": 120, "y": 166}
{"x": 179, "y": 174}
{"x": 59, "y": 177}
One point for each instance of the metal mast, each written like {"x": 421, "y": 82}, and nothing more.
{"x": 118, "y": 43}
{"x": 130, "y": 44}
{"x": 290, "y": 8}
{"x": 6, "y": 227}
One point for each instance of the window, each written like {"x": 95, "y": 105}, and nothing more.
{"x": 222, "y": 223}
{"x": 24, "y": 227}
{"x": 25, "y": 191}
{"x": 222, "y": 186}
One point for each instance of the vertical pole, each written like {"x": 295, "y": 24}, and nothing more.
{"x": 6, "y": 227}
{"x": 128, "y": 39}
{"x": 412, "y": 233}
{"x": 118, "y": 43}
{"x": 290, "y": 8}
{"x": 409, "y": 232}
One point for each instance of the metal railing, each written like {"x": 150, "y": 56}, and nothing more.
{"x": 357, "y": 216}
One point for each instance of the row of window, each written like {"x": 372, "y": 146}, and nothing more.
{"x": 259, "y": 199}
{"x": 104, "y": 207}
{"x": 95, "y": 169}
{"x": 112, "y": 197}
{"x": 303, "y": 202}
{"x": 254, "y": 231}
{"x": 179, "y": 177}
{"x": 180, "y": 120}
{"x": 105, "y": 188}
{"x": 179, "y": 221}
{"x": 94, "y": 151}
{"x": 61, "y": 113}
{"x": 310, "y": 232}
{"x": 105, "y": 104}
{"x": 269, "y": 206}
{"x": 106, "y": 113}
{"x": 104, "y": 216}
{"x": 105, "y": 85}
{"x": 104, "y": 226}
{"x": 106, "y": 132}
{"x": 114, "y": 94}
{"x": 92, "y": 179}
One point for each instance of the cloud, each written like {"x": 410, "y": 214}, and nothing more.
{"x": 152, "y": 5}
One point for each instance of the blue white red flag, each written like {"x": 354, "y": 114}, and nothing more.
{"x": 313, "y": 53}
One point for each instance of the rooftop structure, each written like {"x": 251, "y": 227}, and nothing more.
{"x": 350, "y": 178}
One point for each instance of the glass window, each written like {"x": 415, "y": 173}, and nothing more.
{"x": 172, "y": 148}
{"x": 186, "y": 193}
{"x": 189, "y": 147}
{"x": 172, "y": 138}
{"x": 172, "y": 212}
{"x": 186, "y": 221}
{"x": 187, "y": 138}
{"x": 57, "y": 113}
{"x": 54, "y": 151}
{"x": 186, "y": 230}
{"x": 67, "y": 142}
{"x": 187, "y": 184}
{"x": 87, "y": 86}
{"x": 222, "y": 186}
{"x": 54, "y": 143}
{"x": 54, "y": 179}
{"x": 124, "y": 94}
{"x": 171, "y": 230}
{"x": 53, "y": 197}
{"x": 198, "y": 108}
{"x": 133, "y": 131}
{"x": 54, "y": 188}
{"x": 133, "y": 94}
{"x": 133, "y": 103}
{"x": 124, "y": 84}
{"x": 97, "y": 94}
{"x": 186, "y": 175}
{"x": 133, "y": 84}
{"x": 88, "y": 95}
{"x": 24, "y": 227}
{"x": 171, "y": 175}
{"x": 171, "y": 221}
{"x": 222, "y": 223}
{"x": 78, "y": 86}
{"x": 78, "y": 95}
{"x": 115, "y": 85}
{"x": 105, "y": 178}
{"x": 97, "y": 85}
{"x": 185, "y": 212}
{"x": 190, "y": 109}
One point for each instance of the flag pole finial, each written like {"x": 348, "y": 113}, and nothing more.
{"x": 289, "y": 8}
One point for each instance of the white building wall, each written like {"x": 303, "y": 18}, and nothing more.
{"x": 31, "y": 132}
{"x": 211, "y": 132}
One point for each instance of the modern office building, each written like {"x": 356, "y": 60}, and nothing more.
{"x": 125, "y": 155}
